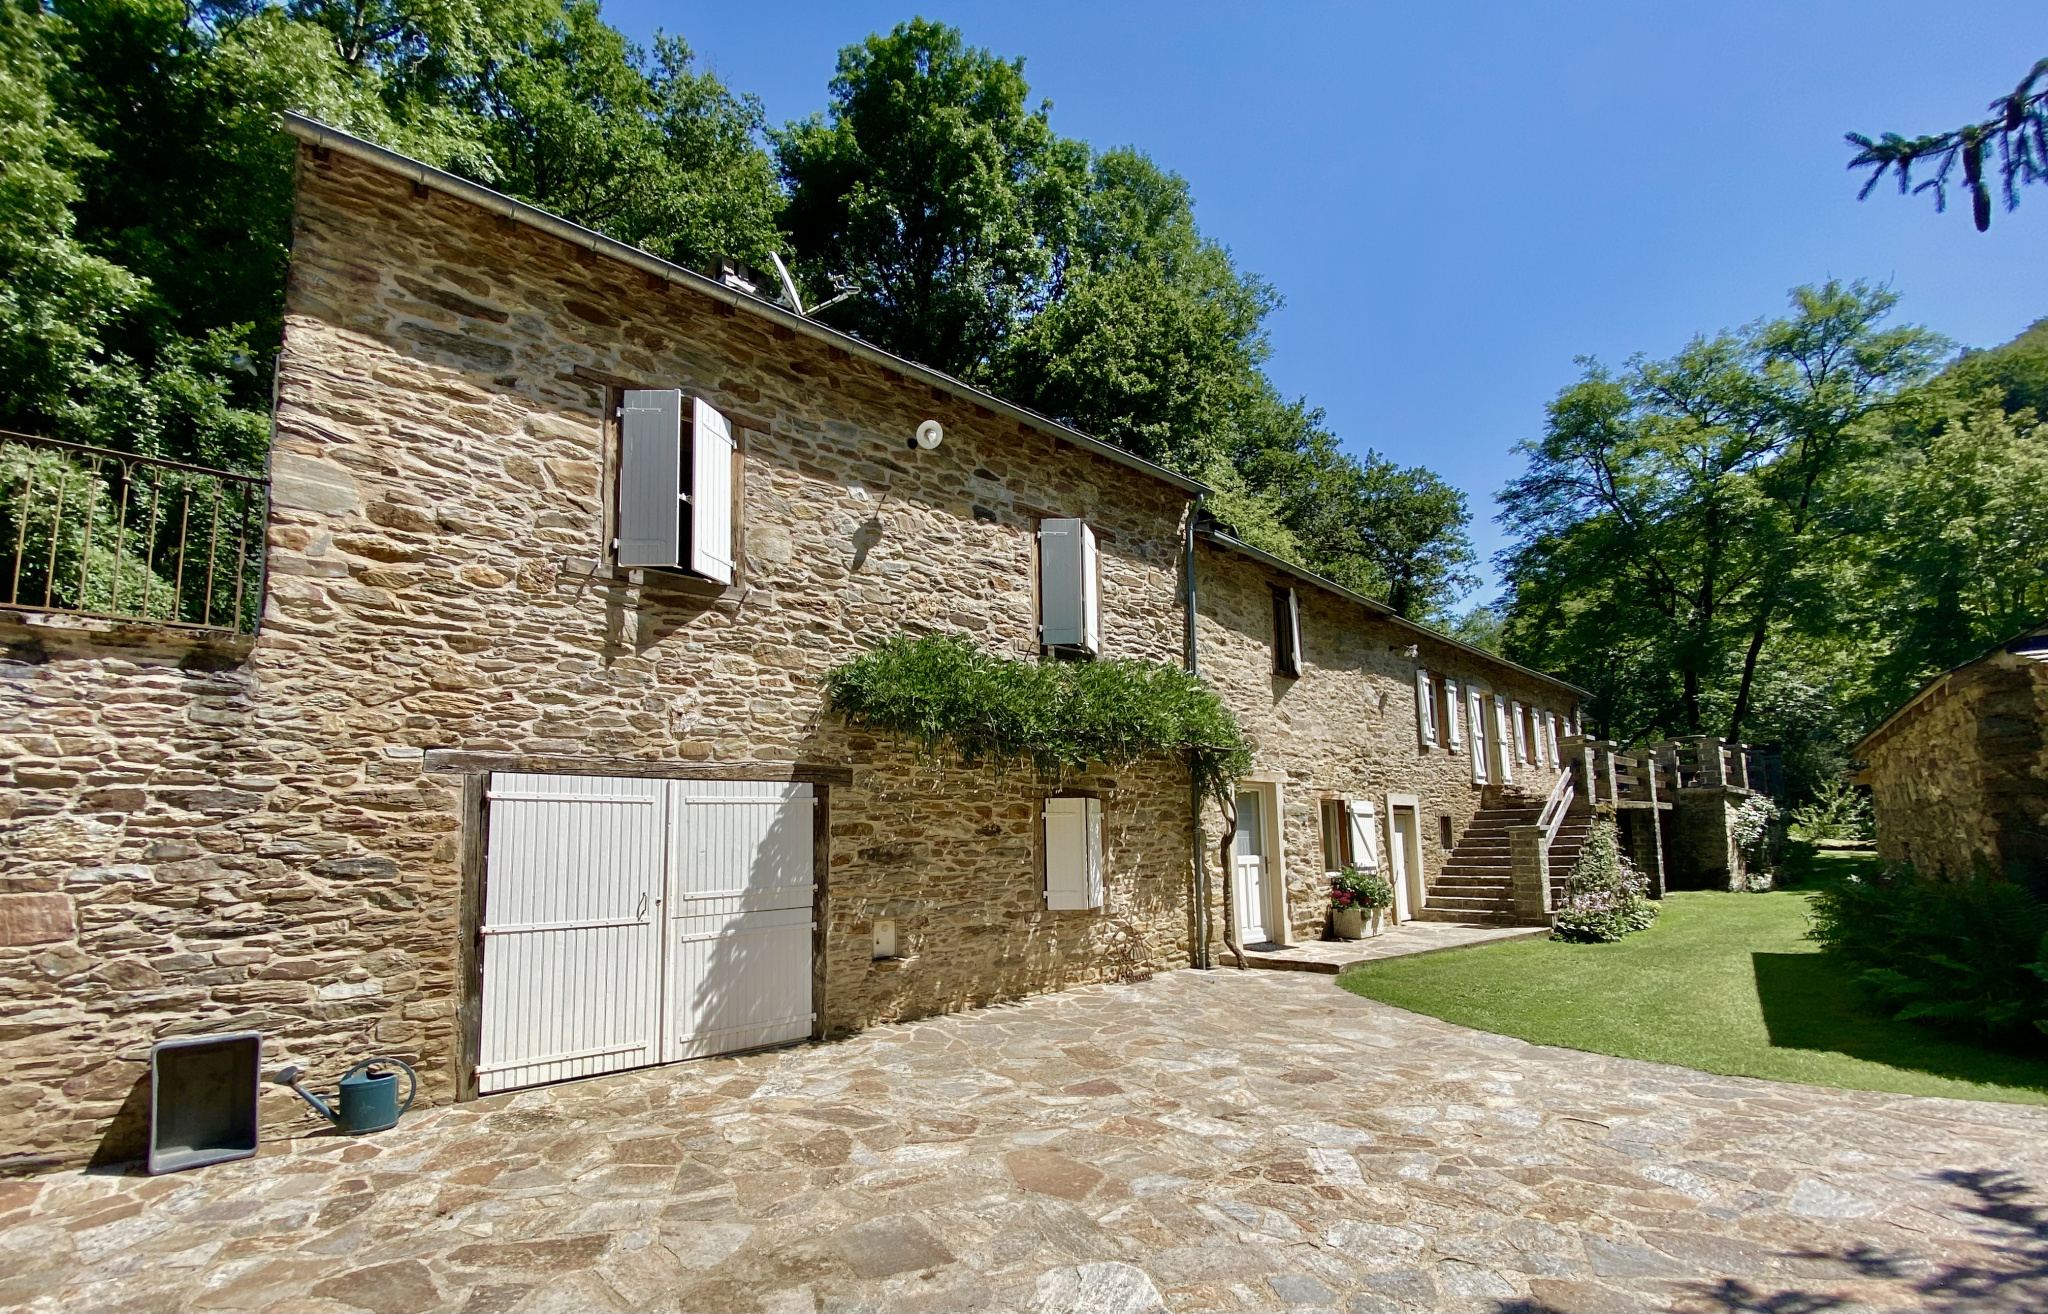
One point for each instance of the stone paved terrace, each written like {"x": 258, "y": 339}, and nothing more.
{"x": 1255, "y": 1140}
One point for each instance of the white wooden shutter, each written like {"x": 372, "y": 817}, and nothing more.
{"x": 711, "y": 493}
{"x": 1503, "y": 742}
{"x": 1552, "y": 725}
{"x": 1425, "y": 710}
{"x": 1069, "y": 612}
{"x": 1287, "y": 633}
{"x": 1475, "y": 703}
{"x": 651, "y": 496}
{"x": 1452, "y": 714}
{"x": 1516, "y": 735}
{"x": 1365, "y": 833}
{"x": 1073, "y": 853}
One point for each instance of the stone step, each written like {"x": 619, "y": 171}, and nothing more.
{"x": 1476, "y": 918}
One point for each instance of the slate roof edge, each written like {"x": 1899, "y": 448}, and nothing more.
{"x": 1374, "y": 605}
{"x": 316, "y": 133}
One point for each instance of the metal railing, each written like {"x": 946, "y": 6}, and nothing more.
{"x": 87, "y": 531}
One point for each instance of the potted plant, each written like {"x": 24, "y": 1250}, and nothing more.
{"x": 1358, "y": 898}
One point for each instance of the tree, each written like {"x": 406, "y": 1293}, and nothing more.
{"x": 1676, "y": 518}
{"x": 2018, "y": 125}
{"x": 935, "y": 190}
{"x": 578, "y": 121}
{"x": 1392, "y": 530}
{"x": 1152, "y": 339}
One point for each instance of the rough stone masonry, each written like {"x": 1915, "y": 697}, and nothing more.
{"x": 281, "y": 834}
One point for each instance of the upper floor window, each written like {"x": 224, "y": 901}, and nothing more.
{"x": 675, "y": 485}
{"x": 1069, "y": 589}
{"x": 1286, "y": 633}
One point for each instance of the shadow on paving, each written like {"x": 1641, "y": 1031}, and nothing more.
{"x": 2013, "y": 1229}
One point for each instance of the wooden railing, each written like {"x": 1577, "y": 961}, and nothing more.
{"x": 1557, "y": 805}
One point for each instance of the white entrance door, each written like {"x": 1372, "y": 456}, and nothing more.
{"x": 630, "y": 921}
{"x": 739, "y": 961}
{"x": 1407, "y": 860}
{"x": 1249, "y": 891}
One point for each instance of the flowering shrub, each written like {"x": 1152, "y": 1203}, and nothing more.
{"x": 1360, "y": 888}
{"x": 1604, "y": 897}
{"x": 1752, "y": 828}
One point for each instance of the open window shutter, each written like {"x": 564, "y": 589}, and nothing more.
{"x": 1365, "y": 834}
{"x": 1068, "y": 613}
{"x": 1553, "y": 724}
{"x": 651, "y": 493}
{"x": 1425, "y": 710}
{"x": 711, "y": 494}
{"x": 1091, "y": 592}
{"x": 1067, "y": 853}
{"x": 1287, "y": 632}
{"x": 1516, "y": 738}
{"x": 1503, "y": 741}
{"x": 1452, "y": 715}
{"x": 1475, "y": 703}
{"x": 1092, "y": 838}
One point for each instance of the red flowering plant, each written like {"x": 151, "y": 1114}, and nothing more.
{"x": 1360, "y": 887}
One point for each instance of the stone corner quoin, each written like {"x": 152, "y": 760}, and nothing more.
{"x": 292, "y": 839}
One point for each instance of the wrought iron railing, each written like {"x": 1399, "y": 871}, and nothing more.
{"x": 92, "y": 532}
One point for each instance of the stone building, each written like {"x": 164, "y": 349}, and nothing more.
{"x": 1959, "y": 775}
{"x": 1364, "y": 726}
{"x": 513, "y": 733}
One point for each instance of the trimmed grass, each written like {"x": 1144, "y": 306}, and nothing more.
{"x": 1726, "y": 983}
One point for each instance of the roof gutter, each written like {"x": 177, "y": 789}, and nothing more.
{"x": 315, "y": 133}
{"x": 1379, "y": 608}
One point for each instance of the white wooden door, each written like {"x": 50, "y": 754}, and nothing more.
{"x": 629, "y": 922}
{"x": 1249, "y": 892}
{"x": 571, "y": 943}
{"x": 1406, "y": 851}
{"x": 739, "y": 938}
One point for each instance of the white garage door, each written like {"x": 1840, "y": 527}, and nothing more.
{"x": 631, "y": 921}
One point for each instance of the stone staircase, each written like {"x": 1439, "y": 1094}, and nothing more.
{"x": 1475, "y": 883}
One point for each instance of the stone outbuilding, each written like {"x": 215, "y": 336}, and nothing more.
{"x": 527, "y": 772}
{"x": 1959, "y": 775}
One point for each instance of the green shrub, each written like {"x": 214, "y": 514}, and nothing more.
{"x": 1968, "y": 955}
{"x": 1604, "y": 897}
{"x": 1358, "y": 887}
{"x": 1837, "y": 811}
{"x": 945, "y": 693}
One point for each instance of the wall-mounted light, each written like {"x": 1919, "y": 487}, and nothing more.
{"x": 929, "y": 435}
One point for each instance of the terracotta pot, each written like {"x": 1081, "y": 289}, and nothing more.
{"x": 1348, "y": 923}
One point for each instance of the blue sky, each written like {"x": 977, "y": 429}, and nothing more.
{"x": 1456, "y": 201}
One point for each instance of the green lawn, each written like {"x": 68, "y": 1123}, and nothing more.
{"x": 1723, "y": 982}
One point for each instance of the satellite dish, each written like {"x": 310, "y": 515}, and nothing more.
{"x": 930, "y": 434}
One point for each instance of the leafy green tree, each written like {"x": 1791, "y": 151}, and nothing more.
{"x": 935, "y": 190}
{"x": 1393, "y": 530}
{"x": 579, "y": 122}
{"x": 2018, "y": 127}
{"x": 1678, "y": 517}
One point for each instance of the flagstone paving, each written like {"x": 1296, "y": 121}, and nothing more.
{"x": 1226, "y": 1140}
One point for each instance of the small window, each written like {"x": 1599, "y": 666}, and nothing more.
{"x": 1069, "y": 589}
{"x": 1447, "y": 833}
{"x": 1073, "y": 853}
{"x": 1286, "y": 633}
{"x": 1336, "y": 836}
{"x": 675, "y": 487}
{"x": 1425, "y": 710}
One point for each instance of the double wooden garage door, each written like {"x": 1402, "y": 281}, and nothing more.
{"x": 629, "y": 922}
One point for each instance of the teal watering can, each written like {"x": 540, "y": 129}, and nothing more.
{"x": 369, "y": 1095}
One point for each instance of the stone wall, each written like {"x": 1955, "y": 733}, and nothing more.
{"x": 1346, "y": 728}
{"x": 261, "y": 845}
{"x": 1960, "y": 779}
